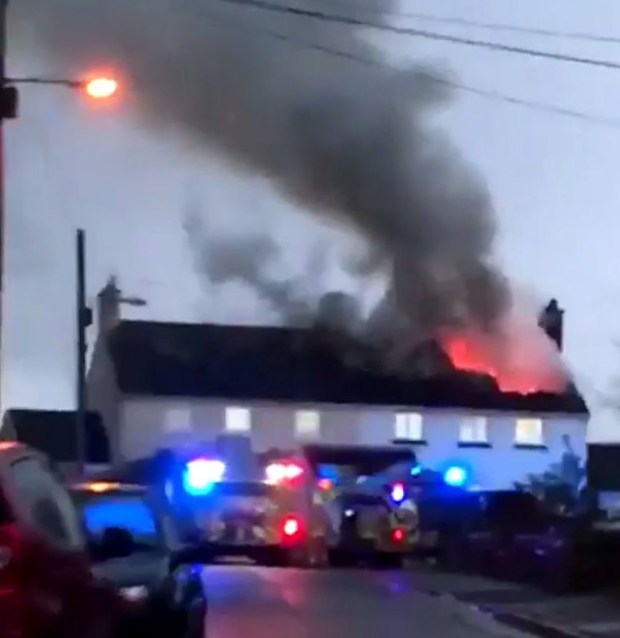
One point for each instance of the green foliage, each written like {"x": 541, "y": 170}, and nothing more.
{"x": 560, "y": 486}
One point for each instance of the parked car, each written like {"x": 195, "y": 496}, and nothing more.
{"x": 134, "y": 544}
{"x": 47, "y": 588}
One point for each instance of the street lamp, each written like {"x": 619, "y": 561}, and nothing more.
{"x": 101, "y": 88}
{"x": 98, "y": 88}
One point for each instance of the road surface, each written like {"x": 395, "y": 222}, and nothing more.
{"x": 255, "y": 602}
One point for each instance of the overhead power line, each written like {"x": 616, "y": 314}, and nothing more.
{"x": 496, "y": 96}
{"x": 420, "y": 33}
{"x": 489, "y": 26}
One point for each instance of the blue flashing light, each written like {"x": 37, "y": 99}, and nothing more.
{"x": 456, "y": 476}
{"x": 416, "y": 470}
{"x": 201, "y": 475}
{"x": 398, "y": 493}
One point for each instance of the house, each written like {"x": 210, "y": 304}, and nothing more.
{"x": 53, "y": 432}
{"x": 161, "y": 385}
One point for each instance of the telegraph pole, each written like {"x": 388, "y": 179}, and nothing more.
{"x": 8, "y": 111}
{"x": 3, "y": 39}
{"x": 83, "y": 320}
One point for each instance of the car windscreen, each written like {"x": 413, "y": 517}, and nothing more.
{"x": 127, "y": 511}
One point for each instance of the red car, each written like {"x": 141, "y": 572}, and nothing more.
{"x": 47, "y": 588}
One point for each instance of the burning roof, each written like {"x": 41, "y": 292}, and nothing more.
{"x": 298, "y": 365}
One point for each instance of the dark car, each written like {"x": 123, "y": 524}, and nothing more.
{"x": 478, "y": 529}
{"x": 134, "y": 545}
{"x": 366, "y": 529}
{"x": 47, "y": 588}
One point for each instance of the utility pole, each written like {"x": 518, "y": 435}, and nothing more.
{"x": 8, "y": 111}
{"x": 84, "y": 319}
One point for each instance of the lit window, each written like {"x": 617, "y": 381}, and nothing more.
{"x": 529, "y": 431}
{"x": 408, "y": 426}
{"x": 307, "y": 423}
{"x": 238, "y": 420}
{"x": 473, "y": 430}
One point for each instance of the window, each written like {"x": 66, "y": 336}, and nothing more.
{"x": 238, "y": 420}
{"x": 129, "y": 512}
{"x": 178, "y": 419}
{"x": 408, "y": 426}
{"x": 307, "y": 424}
{"x": 529, "y": 431}
{"x": 473, "y": 430}
{"x": 46, "y": 504}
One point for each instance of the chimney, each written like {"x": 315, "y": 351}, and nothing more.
{"x": 551, "y": 320}
{"x": 108, "y": 306}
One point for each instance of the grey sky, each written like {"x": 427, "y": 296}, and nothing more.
{"x": 553, "y": 180}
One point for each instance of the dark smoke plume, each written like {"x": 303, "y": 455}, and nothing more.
{"x": 247, "y": 261}
{"x": 343, "y": 139}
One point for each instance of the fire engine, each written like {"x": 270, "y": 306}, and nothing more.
{"x": 316, "y": 505}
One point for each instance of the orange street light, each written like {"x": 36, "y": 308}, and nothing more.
{"x": 97, "y": 88}
{"x": 101, "y": 88}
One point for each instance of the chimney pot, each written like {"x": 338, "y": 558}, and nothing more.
{"x": 108, "y": 306}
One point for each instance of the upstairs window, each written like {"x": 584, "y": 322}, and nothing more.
{"x": 307, "y": 424}
{"x": 473, "y": 430}
{"x": 529, "y": 431}
{"x": 238, "y": 419}
{"x": 408, "y": 426}
{"x": 178, "y": 419}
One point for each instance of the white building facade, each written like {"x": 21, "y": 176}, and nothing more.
{"x": 164, "y": 385}
{"x": 498, "y": 448}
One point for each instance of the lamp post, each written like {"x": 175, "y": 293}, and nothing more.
{"x": 98, "y": 88}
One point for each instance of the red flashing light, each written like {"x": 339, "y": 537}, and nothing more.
{"x": 291, "y": 528}
{"x": 278, "y": 473}
{"x": 398, "y": 535}
{"x": 293, "y": 471}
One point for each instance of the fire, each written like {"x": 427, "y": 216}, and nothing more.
{"x": 520, "y": 358}
{"x": 469, "y": 356}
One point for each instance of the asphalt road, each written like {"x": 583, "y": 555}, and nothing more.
{"x": 256, "y": 602}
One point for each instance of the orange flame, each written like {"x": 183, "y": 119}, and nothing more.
{"x": 465, "y": 354}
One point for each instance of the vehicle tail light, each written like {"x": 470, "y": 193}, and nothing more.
{"x": 291, "y": 529}
{"x": 283, "y": 473}
{"x": 398, "y": 536}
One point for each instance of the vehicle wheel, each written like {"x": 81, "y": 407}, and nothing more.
{"x": 197, "y": 617}
{"x": 453, "y": 553}
{"x": 275, "y": 558}
{"x": 318, "y": 556}
{"x": 388, "y": 561}
{"x": 339, "y": 558}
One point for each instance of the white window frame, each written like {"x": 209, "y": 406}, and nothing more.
{"x": 536, "y": 435}
{"x": 408, "y": 426}
{"x": 307, "y": 424}
{"x": 237, "y": 419}
{"x": 474, "y": 429}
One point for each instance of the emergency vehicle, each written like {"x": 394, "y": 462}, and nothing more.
{"x": 362, "y": 490}
{"x": 319, "y": 504}
{"x": 266, "y": 520}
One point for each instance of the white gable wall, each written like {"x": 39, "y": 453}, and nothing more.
{"x": 149, "y": 424}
